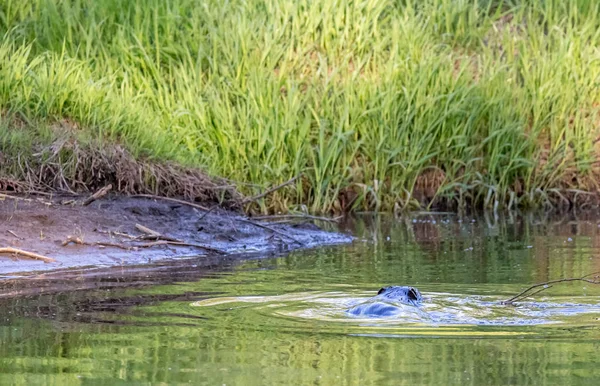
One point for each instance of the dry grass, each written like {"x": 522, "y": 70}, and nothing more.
{"x": 68, "y": 165}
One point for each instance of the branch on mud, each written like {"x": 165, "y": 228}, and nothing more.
{"x": 120, "y": 234}
{"x": 592, "y": 278}
{"x": 299, "y": 216}
{"x": 99, "y": 194}
{"x": 2, "y": 195}
{"x": 148, "y": 231}
{"x": 207, "y": 213}
{"x": 77, "y": 240}
{"x": 154, "y": 235}
{"x": 182, "y": 244}
{"x": 170, "y": 199}
{"x": 162, "y": 239}
{"x": 150, "y": 234}
{"x": 14, "y": 234}
{"x": 269, "y": 191}
{"x": 272, "y": 230}
{"x": 31, "y": 255}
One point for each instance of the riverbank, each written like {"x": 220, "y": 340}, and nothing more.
{"x": 374, "y": 105}
{"x": 127, "y": 231}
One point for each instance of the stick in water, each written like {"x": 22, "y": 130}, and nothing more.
{"x": 548, "y": 284}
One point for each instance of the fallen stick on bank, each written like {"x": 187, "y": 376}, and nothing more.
{"x": 147, "y": 230}
{"x": 77, "y": 240}
{"x": 14, "y": 234}
{"x": 99, "y": 194}
{"x": 181, "y": 244}
{"x": 548, "y": 284}
{"x": 171, "y": 200}
{"x": 154, "y": 235}
{"x": 269, "y": 191}
{"x": 120, "y": 234}
{"x": 31, "y": 255}
{"x": 162, "y": 239}
{"x": 136, "y": 238}
{"x": 2, "y": 195}
{"x": 272, "y": 230}
{"x": 286, "y": 222}
{"x": 207, "y": 213}
{"x": 299, "y": 216}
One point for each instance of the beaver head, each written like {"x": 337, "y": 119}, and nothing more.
{"x": 402, "y": 294}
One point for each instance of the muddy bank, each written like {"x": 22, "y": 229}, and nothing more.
{"x": 118, "y": 231}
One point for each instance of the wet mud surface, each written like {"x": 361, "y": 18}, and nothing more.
{"x": 42, "y": 225}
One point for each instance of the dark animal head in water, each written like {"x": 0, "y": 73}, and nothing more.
{"x": 389, "y": 301}
{"x": 408, "y": 295}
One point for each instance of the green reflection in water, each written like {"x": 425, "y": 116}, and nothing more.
{"x": 291, "y": 332}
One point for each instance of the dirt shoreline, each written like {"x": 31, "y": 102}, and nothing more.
{"x": 42, "y": 225}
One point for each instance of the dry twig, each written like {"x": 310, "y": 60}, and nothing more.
{"x": 120, "y": 234}
{"x": 299, "y": 216}
{"x": 162, "y": 239}
{"x": 31, "y": 255}
{"x": 272, "y": 230}
{"x": 181, "y": 244}
{"x": 207, "y": 213}
{"x": 153, "y": 235}
{"x": 2, "y": 195}
{"x": 269, "y": 191}
{"x": 14, "y": 234}
{"x": 78, "y": 241}
{"x": 171, "y": 200}
{"x": 147, "y": 230}
{"x": 99, "y": 194}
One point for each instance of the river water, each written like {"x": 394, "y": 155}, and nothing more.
{"x": 283, "y": 320}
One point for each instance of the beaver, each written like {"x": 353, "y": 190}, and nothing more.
{"x": 388, "y": 302}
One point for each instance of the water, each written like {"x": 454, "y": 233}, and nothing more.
{"x": 284, "y": 320}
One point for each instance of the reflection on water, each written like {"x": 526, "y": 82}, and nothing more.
{"x": 284, "y": 320}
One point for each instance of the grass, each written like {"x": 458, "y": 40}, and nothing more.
{"x": 380, "y": 105}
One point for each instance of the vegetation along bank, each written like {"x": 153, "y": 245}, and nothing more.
{"x": 372, "y": 104}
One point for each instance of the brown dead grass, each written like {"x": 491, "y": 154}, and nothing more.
{"x": 67, "y": 165}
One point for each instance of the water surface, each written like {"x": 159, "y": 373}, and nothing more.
{"x": 283, "y": 320}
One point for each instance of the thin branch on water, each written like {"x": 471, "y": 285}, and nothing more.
{"x": 548, "y": 284}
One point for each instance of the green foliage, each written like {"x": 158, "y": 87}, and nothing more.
{"x": 487, "y": 102}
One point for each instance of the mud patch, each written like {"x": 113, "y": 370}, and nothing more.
{"x": 43, "y": 224}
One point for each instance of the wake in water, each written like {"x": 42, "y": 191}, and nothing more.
{"x": 436, "y": 309}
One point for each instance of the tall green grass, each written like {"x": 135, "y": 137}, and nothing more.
{"x": 484, "y": 102}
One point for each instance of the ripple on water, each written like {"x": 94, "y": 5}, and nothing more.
{"x": 440, "y": 313}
